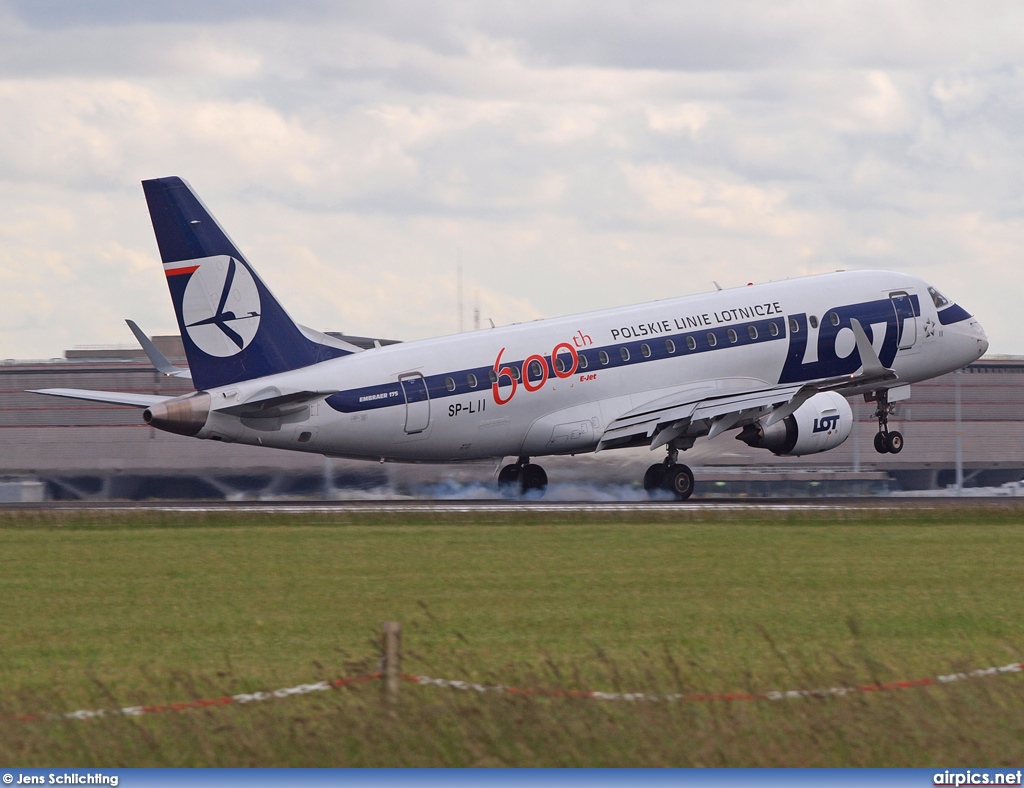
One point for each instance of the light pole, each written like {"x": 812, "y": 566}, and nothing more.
{"x": 959, "y": 439}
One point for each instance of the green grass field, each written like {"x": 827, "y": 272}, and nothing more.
{"x": 111, "y": 609}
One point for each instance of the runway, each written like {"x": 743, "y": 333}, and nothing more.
{"x": 485, "y": 507}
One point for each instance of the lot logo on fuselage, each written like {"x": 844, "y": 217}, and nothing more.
{"x": 833, "y": 348}
{"x": 221, "y": 306}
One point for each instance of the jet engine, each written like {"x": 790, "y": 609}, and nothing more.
{"x": 820, "y": 424}
{"x": 185, "y": 415}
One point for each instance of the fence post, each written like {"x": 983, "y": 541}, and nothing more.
{"x": 392, "y": 660}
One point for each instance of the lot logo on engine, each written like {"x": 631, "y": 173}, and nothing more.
{"x": 826, "y": 424}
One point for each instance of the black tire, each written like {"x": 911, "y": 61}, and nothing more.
{"x": 880, "y": 445}
{"x": 508, "y": 481}
{"x": 532, "y": 477}
{"x": 894, "y": 442}
{"x": 654, "y": 478}
{"x": 679, "y": 481}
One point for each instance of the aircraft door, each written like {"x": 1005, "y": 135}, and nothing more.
{"x": 417, "y": 403}
{"x": 906, "y": 317}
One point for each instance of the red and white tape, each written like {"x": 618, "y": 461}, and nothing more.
{"x": 1013, "y": 667}
{"x": 205, "y": 703}
{"x": 469, "y": 686}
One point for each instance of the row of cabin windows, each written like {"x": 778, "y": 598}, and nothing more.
{"x": 833, "y": 318}
{"x": 536, "y": 370}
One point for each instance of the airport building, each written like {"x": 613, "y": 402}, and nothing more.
{"x": 66, "y": 449}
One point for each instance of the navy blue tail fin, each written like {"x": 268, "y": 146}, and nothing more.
{"x": 231, "y": 325}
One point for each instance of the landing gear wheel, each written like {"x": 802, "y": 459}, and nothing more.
{"x": 654, "y": 479}
{"x": 679, "y": 481}
{"x": 894, "y": 442}
{"x": 532, "y": 477}
{"x": 508, "y": 481}
{"x": 886, "y": 442}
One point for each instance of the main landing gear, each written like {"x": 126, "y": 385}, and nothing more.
{"x": 522, "y": 478}
{"x": 670, "y": 475}
{"x": 886, "y": 442}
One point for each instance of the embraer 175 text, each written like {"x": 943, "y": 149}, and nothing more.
{"x": 775, "y": 361}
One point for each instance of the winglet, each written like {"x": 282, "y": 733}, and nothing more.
{"x": 872, "y": 366}
{"x": 158, "y": 359}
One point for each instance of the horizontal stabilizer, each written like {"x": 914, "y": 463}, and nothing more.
{"x": 156, "y": 358}
{"x": 110, "y": 397}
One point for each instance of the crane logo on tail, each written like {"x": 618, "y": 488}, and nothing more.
{"x": 221, "y": 306}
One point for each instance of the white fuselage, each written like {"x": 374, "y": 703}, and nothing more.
{"x": 417, "y": 401}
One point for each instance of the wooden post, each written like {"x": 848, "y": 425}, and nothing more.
{"x": 392, "y": 660}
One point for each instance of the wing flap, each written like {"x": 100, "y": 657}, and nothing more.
{"x": 675, "y": 415}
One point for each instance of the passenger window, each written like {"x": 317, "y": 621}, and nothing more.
{"x": 645, "y": 350}
{"x": 794, "y": 326}
{"x": 752, "y": 332}
{"x": 515, "y": 371}
{"x": 732, "y": 336}
{"x": 602, "y": 357}
{"x": 535, "y": 369}
{"x": 773, "y": 329}
{"x": 691, "y": 343}
{"x": 492, "y": 376}
{"x": 471, "y": 380}
{"x": 712, "y": 340}
{"x": 583, "y": 363}
{"x": 449, "y": 383}
{"x": 813, "y": 321}
{"x": 624, "y": 352}
{"x": 833, "y": 318}
{"x": 670, "y": 346}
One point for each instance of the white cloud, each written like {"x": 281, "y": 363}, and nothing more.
{"x": 578, "y": 156}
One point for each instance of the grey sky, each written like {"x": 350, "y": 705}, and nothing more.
{"x": 576, "y": 156}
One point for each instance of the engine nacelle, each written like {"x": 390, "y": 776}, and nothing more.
{"x": 185, "y": 415}
{"x": 820, "y": 424}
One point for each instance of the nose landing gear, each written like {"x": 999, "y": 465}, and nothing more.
{"x": 670, "y": 475}
{"x": 886, "y": 442}
{"x": 521, "y": 478}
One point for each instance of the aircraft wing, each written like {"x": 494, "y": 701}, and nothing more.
{"x": 110, "y": 397}
{"x": 669, "y": 418}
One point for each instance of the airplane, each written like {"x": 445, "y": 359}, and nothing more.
{"x": 775, "y": 362}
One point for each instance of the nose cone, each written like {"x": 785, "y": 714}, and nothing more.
{"x": 971, "y": 340}
{"x": 982, "y": 338}
{"x": 976, "y": 333}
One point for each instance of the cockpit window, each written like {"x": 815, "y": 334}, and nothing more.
{"x": 938, "y": 299}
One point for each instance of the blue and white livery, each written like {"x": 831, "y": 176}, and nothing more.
{"x": 774, "y": 362}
